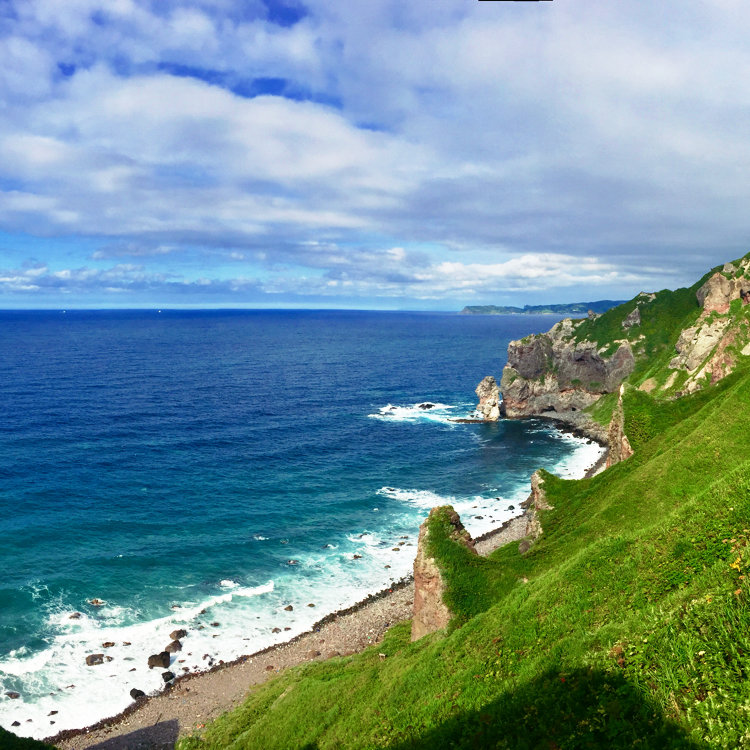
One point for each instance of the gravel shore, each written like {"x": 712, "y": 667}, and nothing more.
{"x": 157, "y": 722}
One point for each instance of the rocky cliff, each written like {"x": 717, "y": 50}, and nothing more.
{"x": 555, "y": 373}
{"x": 668, "y": 343}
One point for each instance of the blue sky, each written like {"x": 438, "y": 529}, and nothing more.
{"x": 385, "y": 154}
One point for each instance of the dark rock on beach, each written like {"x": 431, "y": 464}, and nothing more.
{"x": 167, "y": 676}
{"x": 159, "y": 660}
{"x": 135, "y": 694}
{"x": 94, "y": 659}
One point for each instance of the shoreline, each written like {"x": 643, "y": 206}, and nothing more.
{"x": 158, "y": 721}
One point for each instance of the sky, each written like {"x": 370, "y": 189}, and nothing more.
{"x": 375, "y": 154}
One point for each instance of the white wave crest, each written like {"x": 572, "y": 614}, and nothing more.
{"x": 429, "y": 411}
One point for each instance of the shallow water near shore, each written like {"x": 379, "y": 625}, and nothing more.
{"x": 207, "y": 470}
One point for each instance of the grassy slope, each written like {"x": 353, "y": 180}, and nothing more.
{"x": 9, "y": 741}
{"x": 626, "y": 625}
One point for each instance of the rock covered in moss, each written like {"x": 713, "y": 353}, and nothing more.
{"x": 430, "y": 611}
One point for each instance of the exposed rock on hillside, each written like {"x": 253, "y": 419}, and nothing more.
{"x": 619, "y": 445}
{"x": 552, "y": 372}
{"x": 430, "y": 611}
{"x": 707, "y": 351}
{"x": 536, "y": 501}
{"x": 489, "y": 399}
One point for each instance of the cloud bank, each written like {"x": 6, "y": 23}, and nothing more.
{"x": 422, "y": 154}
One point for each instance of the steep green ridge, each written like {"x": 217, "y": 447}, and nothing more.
{"x": 627, "y": 624}
{"x": 572, "y": 308}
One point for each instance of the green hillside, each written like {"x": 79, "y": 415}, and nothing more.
{"x": 627, "y": 624}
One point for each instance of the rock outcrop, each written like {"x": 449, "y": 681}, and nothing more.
{"x": 552, "y": 372}
{"x": 536, "y": 501}
{"x": 707, "y": 349}
{"x": 618, "y": 443}
{"x": 430, "y": 611}
{"x": 489, "y": 399}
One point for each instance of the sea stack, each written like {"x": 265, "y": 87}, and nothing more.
{"x": 430, "y": 611}
{"x": 489, "y": 399}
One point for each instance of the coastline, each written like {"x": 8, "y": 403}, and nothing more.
{"x": 159, "y": 721}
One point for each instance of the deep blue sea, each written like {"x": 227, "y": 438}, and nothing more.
{"x": 205, "y": 469}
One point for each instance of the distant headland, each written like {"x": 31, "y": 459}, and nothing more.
{"x": 572, "y": 308}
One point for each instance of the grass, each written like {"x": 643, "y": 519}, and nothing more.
{"x": 9, "y": 741}
{"x": 627, "y": 624}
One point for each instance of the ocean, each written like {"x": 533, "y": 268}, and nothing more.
{"x": 205, "y": 470}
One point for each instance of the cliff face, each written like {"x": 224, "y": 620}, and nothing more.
{"x": 668, "y": 343}
{"x": 552, "y": 373}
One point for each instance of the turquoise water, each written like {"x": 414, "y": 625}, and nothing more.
{"x": 191, "y": 468}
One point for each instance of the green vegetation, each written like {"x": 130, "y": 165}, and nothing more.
{"x": 9, "y": 741}
{"x": 627, "y": 624}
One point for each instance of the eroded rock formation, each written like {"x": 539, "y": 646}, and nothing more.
{"x": 430, "y": 611}
{"x": 489, "y": 399}
{"x": 619, "y": 445}
{"x": 552, "y": 372}
{"x": 536, "y": 501}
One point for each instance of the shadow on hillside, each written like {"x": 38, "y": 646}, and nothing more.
{"x": 570, "y": 711}
{"x": 160, "y": 736}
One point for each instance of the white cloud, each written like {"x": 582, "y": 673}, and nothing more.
{"x": 497, "y": 137}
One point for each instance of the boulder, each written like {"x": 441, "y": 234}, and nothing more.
{"x": 108, "y": 644}
{"x": 177, "y": 635}
{"x": 489, "y": 399}
{"x": 167, "y": 676}
{"x": 426, "y": 405}
{"x": 173, "y": 647}
{"x": 159, "y": 660}
{"x": 430, "y": 612}
{"x": 135, "y": 694}
{"x": 13, "y": 695}
{"x": 289, "y": 608}
{"x": 94, "y": 659}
